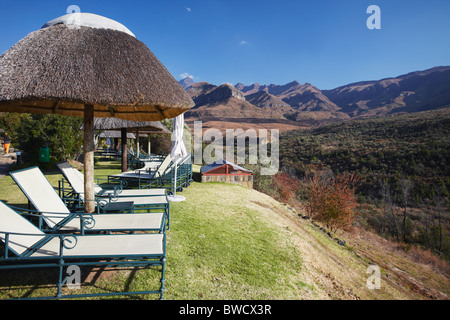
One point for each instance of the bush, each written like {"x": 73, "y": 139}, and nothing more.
{"x": 62, "y": 134}
{"x": 286, "y": 187}
{"x": 332, "y": 200}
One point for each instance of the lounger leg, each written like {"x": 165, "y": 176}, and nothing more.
{"x": 60, "y": 281}
{"x": 163, "y": 280}
{"x": 168, "y": 216}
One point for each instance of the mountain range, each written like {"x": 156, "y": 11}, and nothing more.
{"x": 294, "y": 105}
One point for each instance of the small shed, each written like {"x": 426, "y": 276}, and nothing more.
{"x": 226, "y": 171}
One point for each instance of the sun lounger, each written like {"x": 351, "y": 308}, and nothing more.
{"x": 108, "y": 203}
{"x": 26, "y": 246}
{"x": 142, "y": 159}
{"x": 144, "y": 178}
{"x": 184, "y": 175}
{"x": 150, "y": 164}
{"x": 153, "y": 157}
{"x": 163, "y": 177}
{"x": 57, "y": 216}
{"x": 76, "y": 180}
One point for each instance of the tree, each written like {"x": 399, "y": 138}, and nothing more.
{"x": 10, "y": 122}
{"x": 332, "y": 200}
{"x": 439, "y": 229}
{"x": 285, "y": 186}
{"x": 405, "y": 189}
{"x": 388, "y": 209}
{"x": 62, "y": 134}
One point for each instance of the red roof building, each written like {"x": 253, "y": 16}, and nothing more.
{"x": 228, "y": 172}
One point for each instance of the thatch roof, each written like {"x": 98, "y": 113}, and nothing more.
{"x": 114, "y": 134}
{"x": 61, "y": 68}
{"x": 118, "y": 124}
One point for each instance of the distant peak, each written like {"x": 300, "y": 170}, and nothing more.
{"x": 309, "y": 85}
{"x": 227, "y": 84}
{"x": 186, "y": 82}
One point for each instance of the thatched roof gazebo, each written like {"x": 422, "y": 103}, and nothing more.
{"x": 125, "y": 126}
{"x": 86, "y": 65}
{"x": 61, "y": 68}
{"x": 118, "y": 124}
{"x": 114, "y": 134}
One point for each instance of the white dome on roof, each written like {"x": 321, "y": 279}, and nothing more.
{"x": 89, "y": 20}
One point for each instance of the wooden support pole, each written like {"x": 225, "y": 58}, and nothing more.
{"x": 123, "y": 133}
{"x": 89, "y": 147}
{"x": 148, "y": 145}
{"x": 138, "y": 147}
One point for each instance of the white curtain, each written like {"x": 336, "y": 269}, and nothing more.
{"x": 178, "y": 149}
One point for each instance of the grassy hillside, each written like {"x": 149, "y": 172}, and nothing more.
{"x": 228, "y": 242}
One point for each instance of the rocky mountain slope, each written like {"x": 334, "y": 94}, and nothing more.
{"x": 412, "y": 92}
{"x": 224, "y": 101}
{"x": 306, "y": 105}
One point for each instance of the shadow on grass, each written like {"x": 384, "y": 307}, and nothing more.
{"x": 197, "y": 176}
{"x": 42, "y": 282}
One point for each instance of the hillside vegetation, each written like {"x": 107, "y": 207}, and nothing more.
{"x": 403, "y": 161}
{"x": 228, "y": 242}
{"x": 415, "y": 146}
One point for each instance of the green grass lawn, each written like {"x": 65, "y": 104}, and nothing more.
{"x": 220, "y": 246}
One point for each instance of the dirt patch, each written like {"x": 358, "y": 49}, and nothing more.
{"x": 401, "y": 268}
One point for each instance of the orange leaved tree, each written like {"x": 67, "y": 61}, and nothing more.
{"x": 332, "y": 200}
{"x": 285, "y": 186}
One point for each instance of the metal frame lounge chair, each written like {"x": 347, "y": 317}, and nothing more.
{"x": 163, "y": 177}
{"x": 184, "y": 174}
{"x": 144, "y": 178}
{"x": 144, "y": 156}
{"x": 26, "y": 246}
{"x": 76, "y": 180}
{"x": 141, "y": 158}
{"x": 104, "y": 204}
{"x": 150, "y": 164}
{"x": 56, "y": 215}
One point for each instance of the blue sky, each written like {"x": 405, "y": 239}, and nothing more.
{"x": 323, "y": 42}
